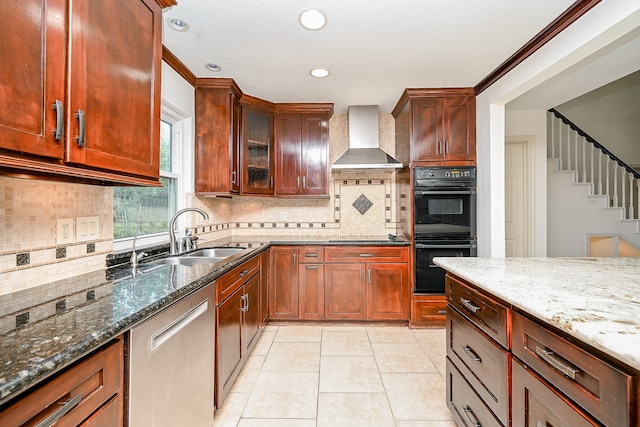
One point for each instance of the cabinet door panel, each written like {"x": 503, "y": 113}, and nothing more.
{"x": 289, "y": 176}
{"x": 311, "y": 290}
{"x": 29, "y": 86}
{"x": 228, "y": 344}
{"x": 426, "y": 132}
{"x": 345, "y": 291}
{"x": 388, "y": 293}
{"x": 283, "y": 286}
{"x": 315, "y": 154}
{"x": 257, "y": 152}
{"x": 459, "y": 124}
{"x": 251, "y": 315}
{"x": 115, "y": 62}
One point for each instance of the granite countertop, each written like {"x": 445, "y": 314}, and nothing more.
{"x": 596, "y": 300}
{"x": 46, "y": 328}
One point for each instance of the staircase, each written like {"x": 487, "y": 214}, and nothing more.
{"x": 592, "y": 196}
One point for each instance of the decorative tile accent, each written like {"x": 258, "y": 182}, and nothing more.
{"x": 23, "y": 259}
{"x": 22, "y": 319}
{"x": 61, "y": 306}
{"x": 61, "y": 253}
{"x": 91, "y": 295}
{"x": 91, "y": 248}
{"x": 362, "y": 204}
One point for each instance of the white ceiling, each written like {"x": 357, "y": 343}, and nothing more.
{"x": 373, "y": 48}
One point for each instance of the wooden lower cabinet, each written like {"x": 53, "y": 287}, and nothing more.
{"x": 89, "y": 393}
{"x": 344, "y": 291}
{"x": 283, "y": 286}
{"x": 311, "y": 291}
{"x": 264, "y": 287}
{"x": 428, "y": 311}
{"x": 250, "y": 315}
{"x": 388, "y": 291}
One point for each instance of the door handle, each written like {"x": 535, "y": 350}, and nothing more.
{"x": 295, "y": 260}
{"x": 164, "y": 334}
{"x": 233, "y": 177}
{"x": 80, "y": 139}
{"x": 298, "y": 185}
{"x": 61, "y": 412}
{"x": 304, "y": 182}
{"x": 58, "y": 132}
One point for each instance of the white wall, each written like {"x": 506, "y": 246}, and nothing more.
{"x": 534, "y": 124}
{"x": 600, "y": 27}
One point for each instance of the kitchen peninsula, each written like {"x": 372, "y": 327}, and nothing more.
{"x": 564, "y": 334}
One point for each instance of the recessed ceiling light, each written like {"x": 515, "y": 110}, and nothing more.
{"x": 178, "y": 24}
{"x": 319, "y": 72}
{"x": 313, "y": 19}
{"x": 212, "y": 67}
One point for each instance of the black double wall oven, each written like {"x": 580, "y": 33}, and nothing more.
{"x": 444, "y": 221}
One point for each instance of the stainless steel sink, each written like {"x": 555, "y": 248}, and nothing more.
{"x": 187, "y": 260}
{"x": 214, "y": 252}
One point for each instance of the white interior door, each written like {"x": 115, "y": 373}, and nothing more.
{"x": 516, "y": 197}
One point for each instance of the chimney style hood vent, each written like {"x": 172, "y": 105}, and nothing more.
{"x": 364, "y": 151}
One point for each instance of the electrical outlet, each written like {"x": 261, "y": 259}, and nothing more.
{"x": 283, "y": 216}
{"x": 87, "y": 228}
{"x": 64, "y": 231}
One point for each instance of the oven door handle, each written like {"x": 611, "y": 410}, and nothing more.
{"x": 437, "y": 246}
{"x": 445, "y": 192}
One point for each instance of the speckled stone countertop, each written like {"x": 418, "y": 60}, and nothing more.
{"x": 596, "y": 300}
{"x": 45, "y": 329}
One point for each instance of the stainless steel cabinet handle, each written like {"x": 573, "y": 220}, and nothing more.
{"x": 244, "y": 302}
{"x": 470, "y": 415}
{"x": 469, "y": 305}
{"x": 166, "y": 332}
{"x": 244, "y": 272}
{"x": 295, "y": 260}
{"x": 298, "y": 185}
{"x": 369, "y": 274}
{"x": 80, "y": 139}
{"x": 442, "y": 311}
{"x": 58, "y": 132}
{"x": 366, "y": 255}
{"x": 271, "y": 182}
{"x": 541, "y": 424}
{"x": 233, "y": 177}
{"x": 311, "y": 267}
{"x": 61, "y": 412}
{"x": 311, "y": 255}
{"x": 304, "y": 182}
{"x": 446, "y": 147}
{"x": 547, "y": 356}
{"x": 472, "y": 353}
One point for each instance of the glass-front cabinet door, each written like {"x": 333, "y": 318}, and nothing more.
{"x": 257, "y": 160}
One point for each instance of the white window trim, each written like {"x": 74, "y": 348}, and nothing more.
{"x": 181, "y": 151}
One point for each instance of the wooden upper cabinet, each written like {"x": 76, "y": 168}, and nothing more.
{"x": 105, "y": 126}
{"x": 302, "y": 149}
{"x": 29, "y": 86}
{"x": 218, "y": 130}
{"x": 441, "y": 127}
{"x": 257, "y": 159}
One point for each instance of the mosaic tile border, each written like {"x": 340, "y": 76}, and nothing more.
{"x": 337, "y": 204}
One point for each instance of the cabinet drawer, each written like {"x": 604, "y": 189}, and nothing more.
{"x": 229, "y": 282}
{"x": 87, "y": 385}
{"x": 536, "y": 404}
{"x": 366, "y": 254}
{"x": 465, "y": 405}
{"x": 488, "y": 315}
{"x": 482, "y": 362}
{"x": 428, "y": 310}
{"x": 601, "y": 389}
{"x": 311, "y": 254}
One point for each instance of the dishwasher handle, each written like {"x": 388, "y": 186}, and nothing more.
{"x": 164, "y": 334}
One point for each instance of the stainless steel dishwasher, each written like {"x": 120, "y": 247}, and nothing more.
{"x": 171, "y": 376}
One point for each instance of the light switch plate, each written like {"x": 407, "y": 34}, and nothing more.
{"x": 87, "y": 228}
{"x": 64, "y": 231}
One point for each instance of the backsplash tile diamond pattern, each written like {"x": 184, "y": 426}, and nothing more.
{"x": 362, "y": 204}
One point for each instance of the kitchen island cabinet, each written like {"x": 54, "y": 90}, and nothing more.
{"x": 440, "y": 125}
{"x": 302, "y": 149}
{"x": 82, "y": 119}
{"x": 552, "y": 331}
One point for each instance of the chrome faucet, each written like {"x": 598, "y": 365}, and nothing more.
{"x": 173, "y": 247}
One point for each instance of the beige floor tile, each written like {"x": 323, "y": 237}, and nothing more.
{"x": 343, "y": 328}
{"x": 441, "y": 364}
{"x": 402, "y": 357}
{"x": 271, "y": 328}
{"x": 346, "y": 343}
{"x": 390, "y": 334}
{"x": 350, "y": 374}
{"x": 354, "y": 409}
{"x": 302, "y": 333}
{"x": 425, "y": 424}
{"x": 434, "y": 341}
{"x": 264, "y": 343}
{"x": 283, "y": 395}
{"x": 415, "y": 397}
{"x": 248, "y": 375}
{"x": 293, "y": 357}
{"x": 277, "y": 422}
{"x": 229, "y": 414}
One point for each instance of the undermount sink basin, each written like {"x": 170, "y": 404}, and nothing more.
{"x": 214, "y": 252}
{"x": 187, "y": 260}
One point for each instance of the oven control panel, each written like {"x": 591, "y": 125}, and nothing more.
{"x": 445, "y": 173}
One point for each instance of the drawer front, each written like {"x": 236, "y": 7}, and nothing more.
{"x": 87, "y": 385}
{"x": 231, "y": 281}
{"x": 481, "y": 361}
{"x": 465, "y": 405}
{"x": 486, "y": 313}
{"x": 311, "y": 254}
{"x": 428, "y": 310}
{"x": 601, "y": 389}
{"x": 366, "y": 254}
{"x": 537, "y": 405}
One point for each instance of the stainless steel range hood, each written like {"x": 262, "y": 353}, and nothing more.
{"x": 364, "y": 151}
